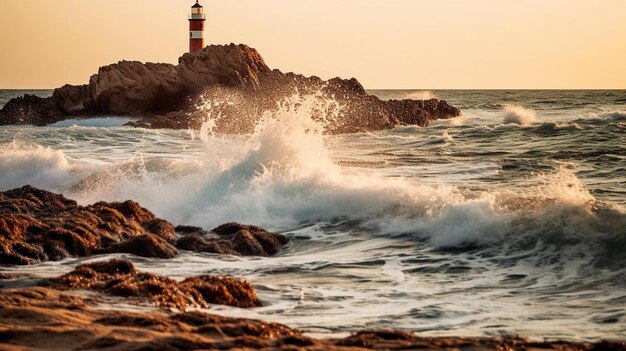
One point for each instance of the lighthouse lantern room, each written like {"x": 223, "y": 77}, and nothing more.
{"x": 196, "y": 27}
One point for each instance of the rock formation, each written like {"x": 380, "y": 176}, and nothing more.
{"x": 168, "y": 96}
{"x": 37, "y": 225}
{"x": 120, "y": 278}
{"x": 45, "y": 319}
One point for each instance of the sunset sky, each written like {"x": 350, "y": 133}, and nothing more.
{"x": 420, "y": 44}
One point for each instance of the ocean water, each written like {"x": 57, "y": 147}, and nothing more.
{"x": 508, "y": 220}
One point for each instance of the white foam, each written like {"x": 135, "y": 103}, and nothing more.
{"x": 282, "y": 176}
{"x": 93, "y": 122}
{"x": 422, "y": 95}
{"x": 519, "y": 115}
{"x": 22, "y": 164}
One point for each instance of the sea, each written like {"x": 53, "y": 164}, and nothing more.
{"x": 510, "y": 220}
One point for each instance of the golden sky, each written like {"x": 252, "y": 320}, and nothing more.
{"x": 423, "y": 44}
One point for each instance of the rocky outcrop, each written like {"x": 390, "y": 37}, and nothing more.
{"x": 45, "y": 319}
{"x": 168, "y": 96}
{"x": 120, "y": 278}
{"x": 37, "y": 225}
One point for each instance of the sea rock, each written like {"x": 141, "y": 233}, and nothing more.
{"x": 251, "y": 240}
{"x": 120, "y": 278}
{"x": 145, "y": 245}
{"x": 233, "y": 79}
{"x": 233, "y": 239}
{"x": 37, "y": 225}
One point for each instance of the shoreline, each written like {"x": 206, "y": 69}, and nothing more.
{"x": 45, "y": 319}
{"x": 81, "y": 309}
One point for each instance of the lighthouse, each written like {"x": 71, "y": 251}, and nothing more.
{"x": 196, "y": 27}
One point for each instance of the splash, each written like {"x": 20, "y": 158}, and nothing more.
{"x": 444, "y": 138}
{"x": 22, "y": 164}
{"x": 283, "y": 176}
{"x": 422, "y": 95}
{"x": 519, "y": 115}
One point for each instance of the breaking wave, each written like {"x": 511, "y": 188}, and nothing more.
{"x": 39, "y": 166}
{"x": 283, "y": 177}
{"x": 422, "y": 95}
{"x": 519, "y": 115}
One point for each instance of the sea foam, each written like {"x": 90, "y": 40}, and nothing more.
{"x": 22, "y": 164}
{"x": 283, "y": 177}
{"x": 519, "y": 115}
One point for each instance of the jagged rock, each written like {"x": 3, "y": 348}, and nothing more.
{"x": 187, "y": 229}
{"x": 120, "y": 278}
{"x": 167, "y": 96}
{"x": 234, "y": 239}
{"x": 143, "y": 245}
{"x": 37, "y": 225}
{"x": 31, "y": 109}
{"x": 251, "y": 240}
{"x": 200, "y": 243}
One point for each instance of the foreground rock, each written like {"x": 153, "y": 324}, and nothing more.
{"x": 120, "y": 278}
{"x": 37, "y": 225}
{"x": 44, "y": 319}
{"x": 236, "y": 76}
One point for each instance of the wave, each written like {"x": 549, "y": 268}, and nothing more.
{"x": 550, "y": 127}
{"x": 421, "y": 95}
{"x": 283, "y": 177}
{"x": 519, "y": 115}
{"x": 93, "y": 122}
{"x": 445, "y": 138}
{"x": 39, "y": 166}
{"x": 615, "y": 115}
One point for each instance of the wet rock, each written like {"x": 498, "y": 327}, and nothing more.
{"x": 166, "y": 96}
{"x": 200, "y": 243}
{"x": 143, "y": 245}
{"x": 43, "y": 319}
{"x": 187, "y": 229}
{"x": 120, "y": 278}
{"x": 37, "y": 225}
{"x": 234, "y": 239}
{"x": 221, "y": 291}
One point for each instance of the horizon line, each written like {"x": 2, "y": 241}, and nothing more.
{"x": 401, "y": 89}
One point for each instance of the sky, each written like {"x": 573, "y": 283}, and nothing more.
{"x": 385, "y": 44}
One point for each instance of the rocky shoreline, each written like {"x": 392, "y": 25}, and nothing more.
{"x": 37, "y": 225}
{"x": 232, "y": 81}
{"x": 46, "y": 319}
{"x": 73, "y": 311}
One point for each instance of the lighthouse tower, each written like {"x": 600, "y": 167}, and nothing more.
{"x": 196, "y": 27}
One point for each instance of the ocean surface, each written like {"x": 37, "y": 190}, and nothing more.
{"x": 508, "y": 220}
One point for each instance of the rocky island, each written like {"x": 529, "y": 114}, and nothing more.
{"x": 234, "y": 80}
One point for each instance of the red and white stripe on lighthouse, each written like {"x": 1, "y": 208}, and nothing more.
{"x": 196, "y": 27}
